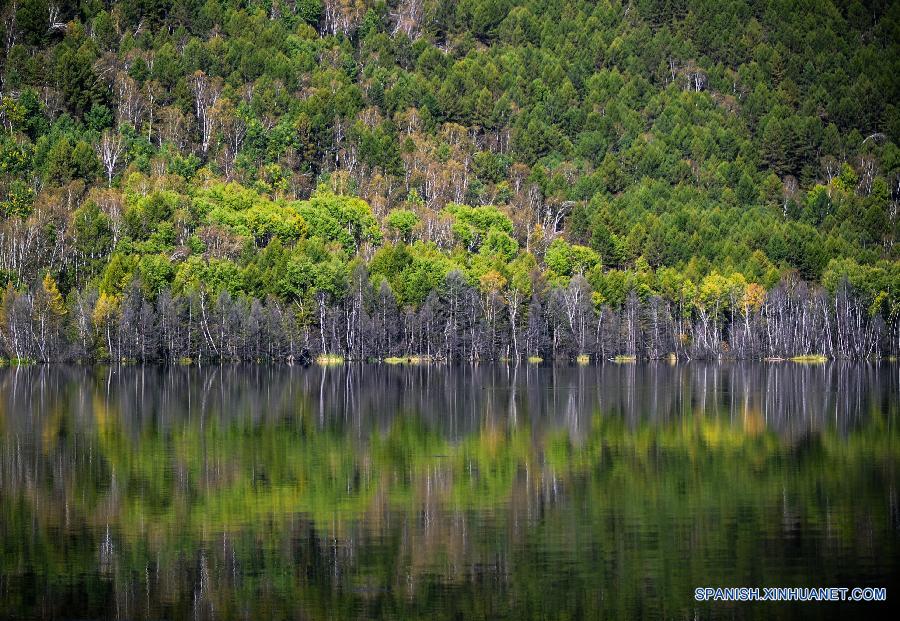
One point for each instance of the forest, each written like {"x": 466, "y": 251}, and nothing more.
{"x": 448, "y": 180}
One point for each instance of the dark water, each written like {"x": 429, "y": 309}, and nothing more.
{"x": 435, "y": 493}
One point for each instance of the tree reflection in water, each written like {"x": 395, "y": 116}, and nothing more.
{"x": 434, "y": 492}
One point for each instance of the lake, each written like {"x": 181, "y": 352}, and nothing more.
{"x": 379, "y": 491}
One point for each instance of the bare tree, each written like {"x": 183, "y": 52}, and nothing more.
{"x": 513, "y": 303}
{"x": 409, "y": 17}
{"x": 789, "y": 189}
{"x": 54, "y": 22}
{"x": 831, "y": 168}
{"x": 577, "y": 302}
{"x": 233, "y": 130}
{"x": 130, "y": 103}
{"x": 343, "y": 16}
{"x": 109, "y": 150}
{"x": 152, "y": 91}
{"x": 553, "y": 217}
{"x": 171, "y": 127}
{"x": 695, "y": 77}
{"x": 206, "y": 94}
{"x": 9, "y": 25}
{"x": 867, "y": 172}
{"x": 673, "y": 69}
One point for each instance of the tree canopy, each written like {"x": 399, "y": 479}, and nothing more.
{"x": 273, "y": 149}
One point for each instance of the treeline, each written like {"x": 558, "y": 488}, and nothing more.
{"x": 456, "y": 323}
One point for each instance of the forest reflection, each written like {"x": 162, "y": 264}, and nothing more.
{"x": 423, "y": 491}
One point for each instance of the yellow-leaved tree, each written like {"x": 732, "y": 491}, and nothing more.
{"x": 48, "y": 312}
{"x": 106, "y": 312}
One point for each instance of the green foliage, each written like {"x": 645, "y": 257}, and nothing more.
{"x": 250, "y": 215}
{"x": 412, "y": 271}
{"x": 156, "y": 273}
{"x": 145, "y": 215}
{"x": 67, "y": 161}
{"x": 93, "y": 236}
{"x": 402, "y": 222}
{"x": 500, "y": 245}
{"x": 118, "y": 273}
{"x": 647, "y": 148}
{"x": 472, "y": 224}
{"x": 74, "y": 72}
{"x": 346, "y": 220}
{"x": 566, "y": 259}
{"x": 17, "y": 200}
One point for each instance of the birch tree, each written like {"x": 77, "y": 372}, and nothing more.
{"x": 206, "y": 92}
{"x": 109, "y": 151}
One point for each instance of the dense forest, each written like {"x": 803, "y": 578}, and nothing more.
{"x": 454, "y": 179}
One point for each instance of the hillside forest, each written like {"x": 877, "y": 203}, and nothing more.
{"x": 459, "y": 180}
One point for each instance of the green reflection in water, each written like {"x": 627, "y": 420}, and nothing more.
{"x": 116, "y": 505}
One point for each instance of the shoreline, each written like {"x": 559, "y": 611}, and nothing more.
{"x": 332, "y": 360}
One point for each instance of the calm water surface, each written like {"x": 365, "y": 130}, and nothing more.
{"x": 444, "y": 493}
